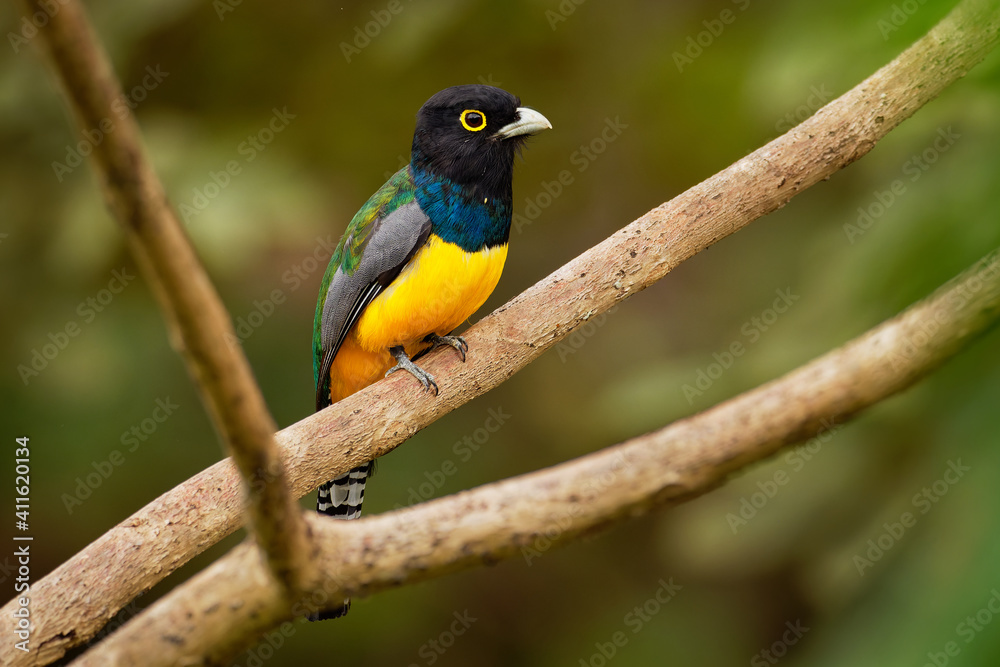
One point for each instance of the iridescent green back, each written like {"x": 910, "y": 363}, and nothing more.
{"x": 397, "y": 191}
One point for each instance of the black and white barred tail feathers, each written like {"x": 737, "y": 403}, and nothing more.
{"x": 342, "y": 497}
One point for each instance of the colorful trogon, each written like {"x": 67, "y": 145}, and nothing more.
{"x": 419, "y": 258}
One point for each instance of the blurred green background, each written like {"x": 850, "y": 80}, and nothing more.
{"x": 223, "y": 68}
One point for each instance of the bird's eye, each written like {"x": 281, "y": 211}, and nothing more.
{"x": 473, "y": 120}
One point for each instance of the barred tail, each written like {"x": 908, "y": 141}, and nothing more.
{"x": 341, "y": 498}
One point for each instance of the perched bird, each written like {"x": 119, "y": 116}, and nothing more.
{"x": 419, "y": 258}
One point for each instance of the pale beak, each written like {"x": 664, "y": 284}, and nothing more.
{"x": 528, "y": 122}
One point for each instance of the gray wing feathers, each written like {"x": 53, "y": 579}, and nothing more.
{"x": 391, "y": 244}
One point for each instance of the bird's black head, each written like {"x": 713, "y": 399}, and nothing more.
{"x": 470, "y": 135}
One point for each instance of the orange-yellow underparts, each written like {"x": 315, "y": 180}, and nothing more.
{"x": 440, "y": 288}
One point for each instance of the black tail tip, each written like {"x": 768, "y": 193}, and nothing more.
{"x": 335, "y": 612}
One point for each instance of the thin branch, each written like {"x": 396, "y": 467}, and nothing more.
{"x": 531, "y": 513}
{"x": 199, "y": 324}
{"x": 73, "y": 602}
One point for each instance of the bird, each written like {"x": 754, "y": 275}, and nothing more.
{"x": 418, "y": 259}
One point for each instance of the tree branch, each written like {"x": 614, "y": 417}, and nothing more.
{"x": 223, "y": 609}
{"x": 198, "y": 322}
{"x": 72, "y": 603}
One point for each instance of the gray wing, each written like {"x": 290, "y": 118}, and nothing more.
{"x": 391, "y": 244}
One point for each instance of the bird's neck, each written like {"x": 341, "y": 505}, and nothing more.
{"x": 472, "y": 216}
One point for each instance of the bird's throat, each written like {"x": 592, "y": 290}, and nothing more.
{"x": 472, "y": 217}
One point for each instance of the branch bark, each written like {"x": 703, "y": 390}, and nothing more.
{"x": 72, "y": 603}
{"x": 226, "y": 607}
{"x": 199, "y": 324}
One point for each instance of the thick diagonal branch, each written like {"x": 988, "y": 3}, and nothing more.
{"x": 531, "y": 513}
{"x": 77, "y": 598}
{"x": 199, "y": 325}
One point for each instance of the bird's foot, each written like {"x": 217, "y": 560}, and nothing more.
{"x": 403, "y": 363}
{"x": 456, "y": 342}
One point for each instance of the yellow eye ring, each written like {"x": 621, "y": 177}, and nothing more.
{"x": 478, "y": 119}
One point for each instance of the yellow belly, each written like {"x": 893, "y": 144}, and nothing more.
{"x": 441, "y": 287}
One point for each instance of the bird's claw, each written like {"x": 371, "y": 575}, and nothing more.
{"x": 403, "y": 363}
{"x": 456, "y": 342}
